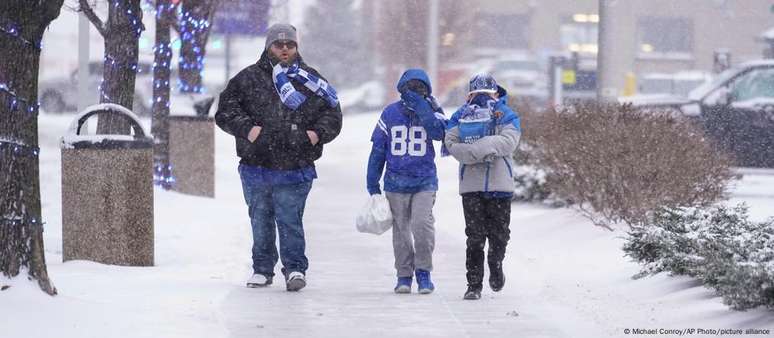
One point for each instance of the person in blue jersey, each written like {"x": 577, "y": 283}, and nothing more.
{"x": 482, "y": 135}
{"x": 403, "y": 141}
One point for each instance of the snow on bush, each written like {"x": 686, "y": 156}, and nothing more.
{"x": 619, "y": 164}
{"x": 719, "y": 246}
{"x": 530, "y": 184}
{"x": 531, "y": 179}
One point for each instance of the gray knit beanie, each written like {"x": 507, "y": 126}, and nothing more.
{"x": 280, "y": 31}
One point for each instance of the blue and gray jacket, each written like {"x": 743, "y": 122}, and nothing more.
{"x": 403, "y": 140}
{"x": 486, "y": 165}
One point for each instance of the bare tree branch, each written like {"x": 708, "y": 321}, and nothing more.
{"x": 95, "y": 20}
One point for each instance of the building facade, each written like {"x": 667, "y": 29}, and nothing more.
{"x": 648, "y": 35}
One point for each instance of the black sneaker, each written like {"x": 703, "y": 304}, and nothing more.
{"x": 473, "y": 293}
{"x": 496, "y": 276}
{"x": 295, "y": 281}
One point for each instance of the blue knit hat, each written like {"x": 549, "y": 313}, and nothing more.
{"x": 482, "y": 83}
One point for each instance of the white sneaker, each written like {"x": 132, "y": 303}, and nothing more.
{"x": 296, "y": 281}
{"x": 258, "y": 281}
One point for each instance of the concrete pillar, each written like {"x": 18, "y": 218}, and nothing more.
{"x": 192, "y": 154}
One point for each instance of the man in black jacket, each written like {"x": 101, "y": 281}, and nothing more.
{"x": 281, "y": 112}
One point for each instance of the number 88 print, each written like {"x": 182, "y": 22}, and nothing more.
{"x": 407, "y": 140}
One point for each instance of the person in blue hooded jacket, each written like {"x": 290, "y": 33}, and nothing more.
{"x": 483, "y": 135}
{"x": 403, "y": 141}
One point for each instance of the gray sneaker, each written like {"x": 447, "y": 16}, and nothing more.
{"x": 258, "y": 281}
{"x": 295, "y": 281}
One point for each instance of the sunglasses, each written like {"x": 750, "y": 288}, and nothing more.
{"x": 287, "y": 44}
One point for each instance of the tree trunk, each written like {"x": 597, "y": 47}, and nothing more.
{"x": 22, "y": 24}
{"x": 194, "y": 26}
{"x": 165, "y": 18}
{"x": 122, "y": 34}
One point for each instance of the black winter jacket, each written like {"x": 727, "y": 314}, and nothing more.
{"x": 250, "y": 100}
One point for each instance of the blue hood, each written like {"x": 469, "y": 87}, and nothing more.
{"x": 415, "y": 74}
{"x": 502, "y": 93}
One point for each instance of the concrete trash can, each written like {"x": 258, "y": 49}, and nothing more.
{"x": 107, "y": 193}
{"x": 192, "y": 154}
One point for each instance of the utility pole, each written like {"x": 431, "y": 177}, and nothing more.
{"x": 432, "y": 41}
{"x": 83, "y": 62}
{"x": 605, "y": 79}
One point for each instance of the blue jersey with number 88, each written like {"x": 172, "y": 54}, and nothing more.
{"x": 403, "y": 139}
{"x": 408, "y": 148}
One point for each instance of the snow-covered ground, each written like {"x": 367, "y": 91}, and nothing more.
{"x": 565, "y": 277}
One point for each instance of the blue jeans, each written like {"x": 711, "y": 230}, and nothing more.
{"x": 276, "y": 207}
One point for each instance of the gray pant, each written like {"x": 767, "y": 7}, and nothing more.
{"x": 413, "y": 234}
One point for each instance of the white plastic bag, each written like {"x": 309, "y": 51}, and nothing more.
{"x": 375, "y": 217}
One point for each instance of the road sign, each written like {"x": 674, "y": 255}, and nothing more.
{"x": 568, "y": 77}
{"x": 242, "y": 17}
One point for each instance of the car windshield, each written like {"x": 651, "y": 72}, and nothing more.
{"x": 758, "y": 83}
{"x": 701, "y": 91}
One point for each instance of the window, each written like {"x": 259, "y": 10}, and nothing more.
{"x": 756, "y": 84}
{"x": 509, "y": 31}
{"x": 578, "y": 33}
{"x": 659, "y": 36}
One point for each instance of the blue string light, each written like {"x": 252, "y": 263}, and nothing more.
{"x": 33, "y": 222}
{"x": 162, "y": 170}
{"x": 12, "y": 29}
{"x": 162, "y": 50}
{"x": 16, "y": 103}
{"x": 116, "y": 63}
{"x": 109, "y": 60}
{"x": 113, "y": 62}
{"x": 162, "y": 176}
{"x": 137, "y": 26}
{"x": 19, "y": 149}
{"x": 190, "y": 28}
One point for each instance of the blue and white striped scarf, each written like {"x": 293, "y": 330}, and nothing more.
{"x": 288, "y": 94}
{"x": 477, "y": 119}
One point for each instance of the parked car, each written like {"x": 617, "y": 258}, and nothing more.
{"x": 680, "y": 83}
{"x": 58, "y": 95}
{"x": 518, "y": 72}
{"x": 736, "y": 109}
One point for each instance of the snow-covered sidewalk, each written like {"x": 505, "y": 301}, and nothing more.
{"x": 565, "y": 277}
